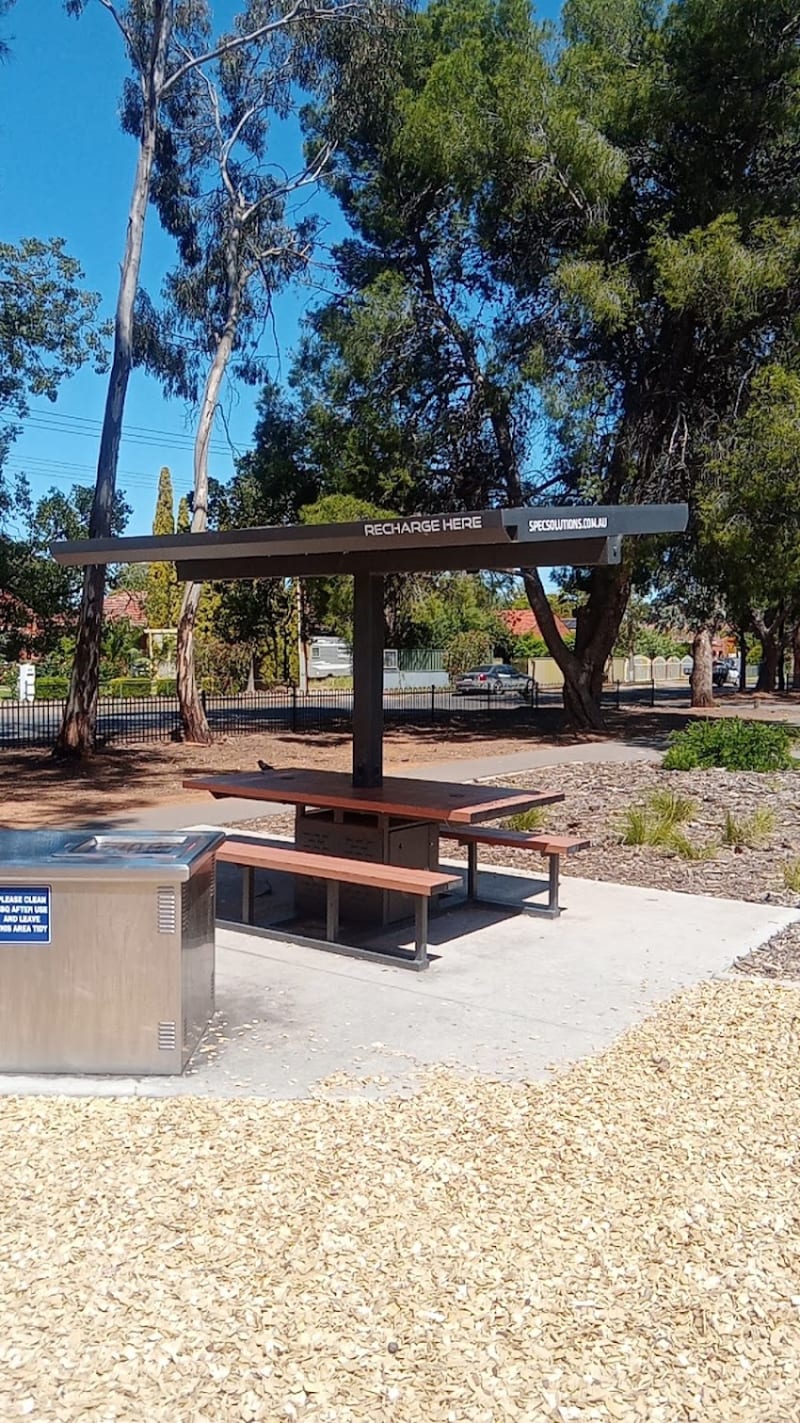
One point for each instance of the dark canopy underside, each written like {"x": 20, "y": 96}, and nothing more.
{"x": 489, "y": 539}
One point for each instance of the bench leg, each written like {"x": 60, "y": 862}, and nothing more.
{"x": 421, "y": 926}
{"x": 553, "y": 906}
{"x": 248, "y": 894}
{"x": 332, "y": 911}
{"x": 472, "y": 871}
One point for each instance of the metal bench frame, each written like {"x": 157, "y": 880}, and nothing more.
{"x": 331, "y": 943}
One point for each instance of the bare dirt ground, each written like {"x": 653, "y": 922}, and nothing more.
{"x": 36, "y": 790}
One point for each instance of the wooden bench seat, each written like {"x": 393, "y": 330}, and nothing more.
{"x": 539, "y": 842}
{"x": 421, "y": 884}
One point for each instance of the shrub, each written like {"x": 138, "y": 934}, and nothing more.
{"x": 166, "y": 687}
{"x": 791, "y": 876}
{"x": 532, "y": 819}
{"x": 671, "y": 808}
{"x": 128, "y": 687}
{"x": 752, "y": 831}
{"x": 467, "y": 650}
{"x": 658, "y": 823}
{"x": 48, "y": 688}
{"x": 731, "y": 744}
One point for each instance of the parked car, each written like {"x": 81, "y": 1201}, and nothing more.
{"x": 724, "y": 670}
{"x": 499, "y": 681}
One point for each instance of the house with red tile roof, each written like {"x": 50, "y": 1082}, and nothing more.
{"x": 522, "y": 621}
{"x": 125, "y": 603}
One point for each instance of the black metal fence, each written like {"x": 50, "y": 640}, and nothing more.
{"x": 131, "y": 720}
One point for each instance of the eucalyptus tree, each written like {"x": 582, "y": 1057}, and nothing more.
{"x": 169, "y": 44}
{"x": 48, "y": 328}
{"x": 242, "y": 229}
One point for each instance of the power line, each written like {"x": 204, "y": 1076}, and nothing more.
{"x": 37, "y": 461}
{"x": 43, "y": 412}
{"x": 167, "y": 442}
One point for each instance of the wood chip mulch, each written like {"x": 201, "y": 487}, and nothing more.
{"x": 618, "y": 1245}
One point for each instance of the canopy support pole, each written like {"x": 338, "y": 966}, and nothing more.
{"x": 368, "y": 680}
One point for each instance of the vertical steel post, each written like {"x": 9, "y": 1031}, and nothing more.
{"x": 367, "y": 679}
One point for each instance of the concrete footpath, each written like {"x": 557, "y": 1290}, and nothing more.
{"x": 506, "y": 995}
{"x": 475, "y": 768}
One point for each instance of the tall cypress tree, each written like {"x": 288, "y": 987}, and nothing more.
{"x": 161, "y": 589}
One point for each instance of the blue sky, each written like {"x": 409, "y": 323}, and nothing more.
{"x": 66, "y": 170}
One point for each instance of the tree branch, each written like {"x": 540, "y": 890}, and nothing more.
{"x": 125, "y": 32}
{"x": 234, "y": 42}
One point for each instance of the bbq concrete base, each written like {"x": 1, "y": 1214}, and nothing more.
{"x": 505, "y": 994}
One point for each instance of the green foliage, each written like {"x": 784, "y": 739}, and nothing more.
{"x": 467, "y": 650}
{"x": 50, "y": 688}
{"x": 670, "y": 807}
{"x": 751, "y": 831}
{"x": 750, "y": 513}
{"x": 163, "y": 593}
{"x": 48, "y": 327}
{"x": 127, "y": 687}
{"x": 598, "y": 228}
{"x": 732, "y": 744}
{"x": 529, "y": 646}
{"x": 658, "y": 823}
{"x": 791, "y": 876}
{"x": 222, "y": 668}
{"x": 38, "y": 597}
{"x": 165, "y": 687}
{"x": 533, "y": 819}
{"x": 453, "y": 603}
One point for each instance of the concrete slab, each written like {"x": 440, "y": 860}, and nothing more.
{"x": 480, "y": 768}
{"x": 507, "y": 995}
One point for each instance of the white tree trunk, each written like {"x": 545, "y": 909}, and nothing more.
{"x": 76, "y": 737}
{"x": 193, "y": 718}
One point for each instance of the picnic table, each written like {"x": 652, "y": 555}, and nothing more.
{"x": 395, "y": 824}
{"x": 398, "y": 797}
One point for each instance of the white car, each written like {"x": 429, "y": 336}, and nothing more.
{"x": 496, "y": 680}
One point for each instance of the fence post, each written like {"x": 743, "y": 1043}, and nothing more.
{"x": 617, "y": 694}
{"x": 433, "y": 702}
{"x": 294, "y": 709}
{"x": 535, "y": 695}
{"x": 203, "y": 699}
{"x": 652, "y": 691}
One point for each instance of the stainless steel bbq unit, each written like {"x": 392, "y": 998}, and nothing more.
{"x": 106, "y": 950}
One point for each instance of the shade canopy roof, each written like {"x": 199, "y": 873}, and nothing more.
{"x": 489, "y": 539}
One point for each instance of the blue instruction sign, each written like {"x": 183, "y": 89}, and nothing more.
{"x": 25, "y": 914}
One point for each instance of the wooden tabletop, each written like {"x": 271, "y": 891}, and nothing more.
{"x": 399, "y": 795}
